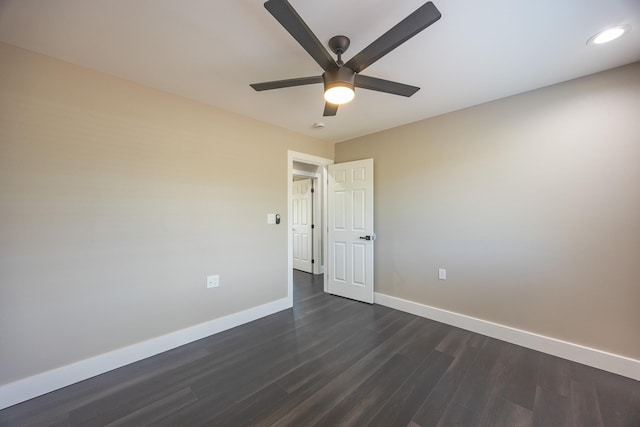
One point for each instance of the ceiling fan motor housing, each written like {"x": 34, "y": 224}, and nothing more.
{"x": 341, "y": 76}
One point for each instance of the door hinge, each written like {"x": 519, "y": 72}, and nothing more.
{"x": 313, "y": 226}
{"x": 313, "y": 190}
{"x": 313, "y": 261}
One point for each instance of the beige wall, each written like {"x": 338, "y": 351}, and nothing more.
{"x": 531, "y": 203}
{"x": 116, "y": 202}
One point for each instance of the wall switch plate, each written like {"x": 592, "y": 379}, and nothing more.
{"x": 213, "y": 281}
{"x": 271, "y": 218}
{"x": 442, "y": 274}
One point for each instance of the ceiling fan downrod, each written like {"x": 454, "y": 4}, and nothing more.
{"x": 339, "y": 45}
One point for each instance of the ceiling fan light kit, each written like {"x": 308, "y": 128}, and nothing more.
{"x": 339, "y": 85}
{"x": 340, "y": 79}
{"x": 339, "y": 94}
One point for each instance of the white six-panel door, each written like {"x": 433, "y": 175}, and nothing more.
{"x": 302, "y": 219}
{"x": 351, "y": 236}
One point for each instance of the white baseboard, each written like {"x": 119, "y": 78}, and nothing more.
{"x": 36, "y": 385}
{"x": 587, "y": 356}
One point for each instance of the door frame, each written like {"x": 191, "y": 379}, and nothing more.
{"x": 323, "y": 163}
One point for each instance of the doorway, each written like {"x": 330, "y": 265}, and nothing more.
{"x": 305, "y": 166}
{"x": 305, "y": 254}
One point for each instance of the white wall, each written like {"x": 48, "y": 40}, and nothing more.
{"x": 531, "y": 203}
{"x": 116, "y": 202}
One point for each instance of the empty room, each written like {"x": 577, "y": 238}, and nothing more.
{"x": 304, "y": 213}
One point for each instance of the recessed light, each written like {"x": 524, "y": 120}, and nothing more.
{"x": 608, "y": 35}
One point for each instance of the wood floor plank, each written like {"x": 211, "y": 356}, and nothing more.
{"x": 291, "y": 365}
{"x": 307, "y": 285}
{"x": 208, "y": 371}
{"x": 63, "y": 401}
{"x": 218, "y": 391}
{"x": 554, "y": 374}
{"x": 405, "y": 402}
{"x": 118, "y": 406}
{"x": 476, "y": 340}
{"x": 304, "y": 381}
{"x": 458, "y": 415}
{"x": 436, "y": 402}
{"x": 334, "y": 361}
{"x": 454, "y": 339}
{"x": 501, "y": 412}
{"x": 618, "y": 400}
{"x": 251, "y": 411}
{"x": 360, "y": 405}
{"x": 424, "y": 342}
{"x": 520, "y": 385}
{"x": 156, "y": 410}
{"x": 551, "y": 409}
{"x": 321, "y": 402}
{"x": 502, "y": 370}
{"x": 584, "y": 405}
{"x": 390, "y": 321}
{"x": 490, "y": 367}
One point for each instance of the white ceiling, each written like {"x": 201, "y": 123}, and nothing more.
{"x": 210, "y": 50}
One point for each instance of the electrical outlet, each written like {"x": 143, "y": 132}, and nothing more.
{"x": 442, "y": 274}
{"x": 213, "y": 281}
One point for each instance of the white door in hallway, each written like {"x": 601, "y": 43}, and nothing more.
{"x": 351, "y": 235}
{"x": 301, "y": 200}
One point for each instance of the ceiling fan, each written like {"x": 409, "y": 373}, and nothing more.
{"x": 341, "y": 78}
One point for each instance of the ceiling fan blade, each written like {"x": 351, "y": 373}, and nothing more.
{"x": 293, "y": 23}
{"x": 381, "y": 85}
{"x": 330, "y": 109}
{"x": 424, "y": 16}
{"x": 277, "y": 84}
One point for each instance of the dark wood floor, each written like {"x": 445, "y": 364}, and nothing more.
{"x": 334, "y": 362}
